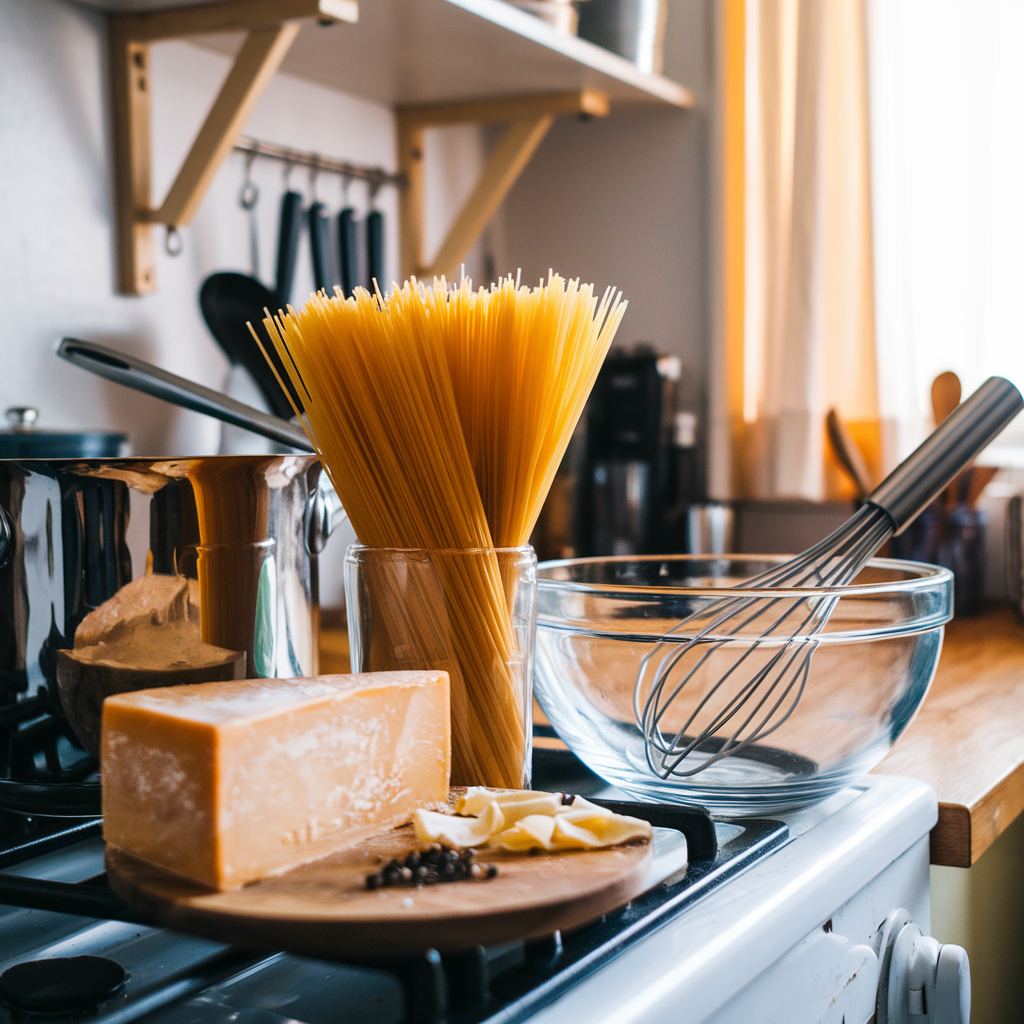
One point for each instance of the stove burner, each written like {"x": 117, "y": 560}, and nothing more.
{"x": 60, "y": 985}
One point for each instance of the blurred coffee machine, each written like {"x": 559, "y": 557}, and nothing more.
{"x": 631, "y": 481}
{"x": 623, "y": 488}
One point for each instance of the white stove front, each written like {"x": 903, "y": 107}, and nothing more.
{"x": 826, "y": 930}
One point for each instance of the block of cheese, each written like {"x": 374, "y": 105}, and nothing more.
{"x": 229, "y": 782}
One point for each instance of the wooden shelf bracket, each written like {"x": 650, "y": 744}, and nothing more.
{"x": 272, "y": 26}
{"x": 530, "y": 117}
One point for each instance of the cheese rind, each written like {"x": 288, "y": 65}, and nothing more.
{"x": 229, "y": 782}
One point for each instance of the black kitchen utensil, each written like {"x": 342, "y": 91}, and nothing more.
{"x": 230, "y": 302}
{"x": 320, "y": 247}
{"x": 347, "y": 250}
{"x": 375, "y": 248}
{"x": 287, "y": 247}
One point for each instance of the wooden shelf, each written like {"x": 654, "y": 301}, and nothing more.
{"x": 436, "y": 62}
{"x": 405, "y": 52}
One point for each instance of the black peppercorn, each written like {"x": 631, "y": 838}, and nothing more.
{"x": 430, "y": 866}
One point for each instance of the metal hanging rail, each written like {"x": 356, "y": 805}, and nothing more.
{"x": 374, "y": 176}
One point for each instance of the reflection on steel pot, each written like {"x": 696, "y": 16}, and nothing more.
{"x": 120, "y": 574}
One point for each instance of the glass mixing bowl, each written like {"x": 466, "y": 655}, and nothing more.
{"x": 859, "y": 674}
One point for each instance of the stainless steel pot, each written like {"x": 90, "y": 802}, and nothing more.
{"x": 212, "y": 560}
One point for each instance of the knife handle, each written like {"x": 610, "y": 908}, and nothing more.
{"x": 375, "y": 248}
{"x": 288, "y": 246}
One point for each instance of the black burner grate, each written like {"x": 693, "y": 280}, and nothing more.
{"x": 44, "y": 769}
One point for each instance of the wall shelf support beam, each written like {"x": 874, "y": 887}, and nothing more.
{"x": 531, "y": 117}
{"x": 236, "y": 16}
{"x": 257, "y": 62}
{"x": 272, "y": 26}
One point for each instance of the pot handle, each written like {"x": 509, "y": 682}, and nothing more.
{"x": 7, "y": 536}
{"x": 326, "y": 514}
{"x": 151, "y": 380}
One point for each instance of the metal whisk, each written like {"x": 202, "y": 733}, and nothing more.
{"x": 761, "y": 686}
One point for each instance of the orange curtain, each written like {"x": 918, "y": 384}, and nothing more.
{"x": 796, "y": 330}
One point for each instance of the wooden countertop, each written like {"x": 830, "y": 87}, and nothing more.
{"x": 967, "y": 741}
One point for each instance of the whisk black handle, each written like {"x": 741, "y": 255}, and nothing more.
{"x": 921, "y": 477}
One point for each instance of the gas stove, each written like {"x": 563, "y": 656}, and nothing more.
{"x": 43, "y": 767}
{"x": 768, "y": 920}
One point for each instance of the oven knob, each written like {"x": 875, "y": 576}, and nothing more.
{"x": 953, "y": 985}
{"x": 927, "y": 982}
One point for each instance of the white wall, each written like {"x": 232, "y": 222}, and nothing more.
{"x": 622, "y": 201}
{"x": 56, "y": 229}
{"x": 618, "y": 202}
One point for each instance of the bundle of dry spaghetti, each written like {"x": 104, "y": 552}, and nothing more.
{"x": 441, "y": 415}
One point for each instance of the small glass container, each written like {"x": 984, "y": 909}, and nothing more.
{"x": 472, "y": 613}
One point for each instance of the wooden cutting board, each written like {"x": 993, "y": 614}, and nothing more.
{"x": 323, "y": 909}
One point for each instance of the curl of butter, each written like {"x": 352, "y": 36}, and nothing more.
{"x": 527, "y": 820}
{"x": 514, "y": 805}
{"x": 460, "y": 833}
{"x": 580, "y": 831}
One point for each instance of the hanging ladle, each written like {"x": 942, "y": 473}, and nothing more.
{"x": 230, "y": 301}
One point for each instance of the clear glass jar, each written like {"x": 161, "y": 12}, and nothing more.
{"x": 472, "y": 613}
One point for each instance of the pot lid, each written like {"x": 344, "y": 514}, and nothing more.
{"x": 22, "y": 439}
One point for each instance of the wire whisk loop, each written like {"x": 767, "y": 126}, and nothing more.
{"x": 759, "y": 687}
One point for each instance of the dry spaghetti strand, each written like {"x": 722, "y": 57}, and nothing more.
{"x": 441, "y": 415}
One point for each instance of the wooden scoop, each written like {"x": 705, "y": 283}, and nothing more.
{"x": 945, "y": 398}
{"x": 945, "y": 395}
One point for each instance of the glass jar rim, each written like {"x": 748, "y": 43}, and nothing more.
{"x": 359, "y": 550}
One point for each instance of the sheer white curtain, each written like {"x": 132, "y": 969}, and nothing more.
{"x": 883, "y": 229}
{"x": 947, "y": 147}
{"x": 809, "y": 338}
